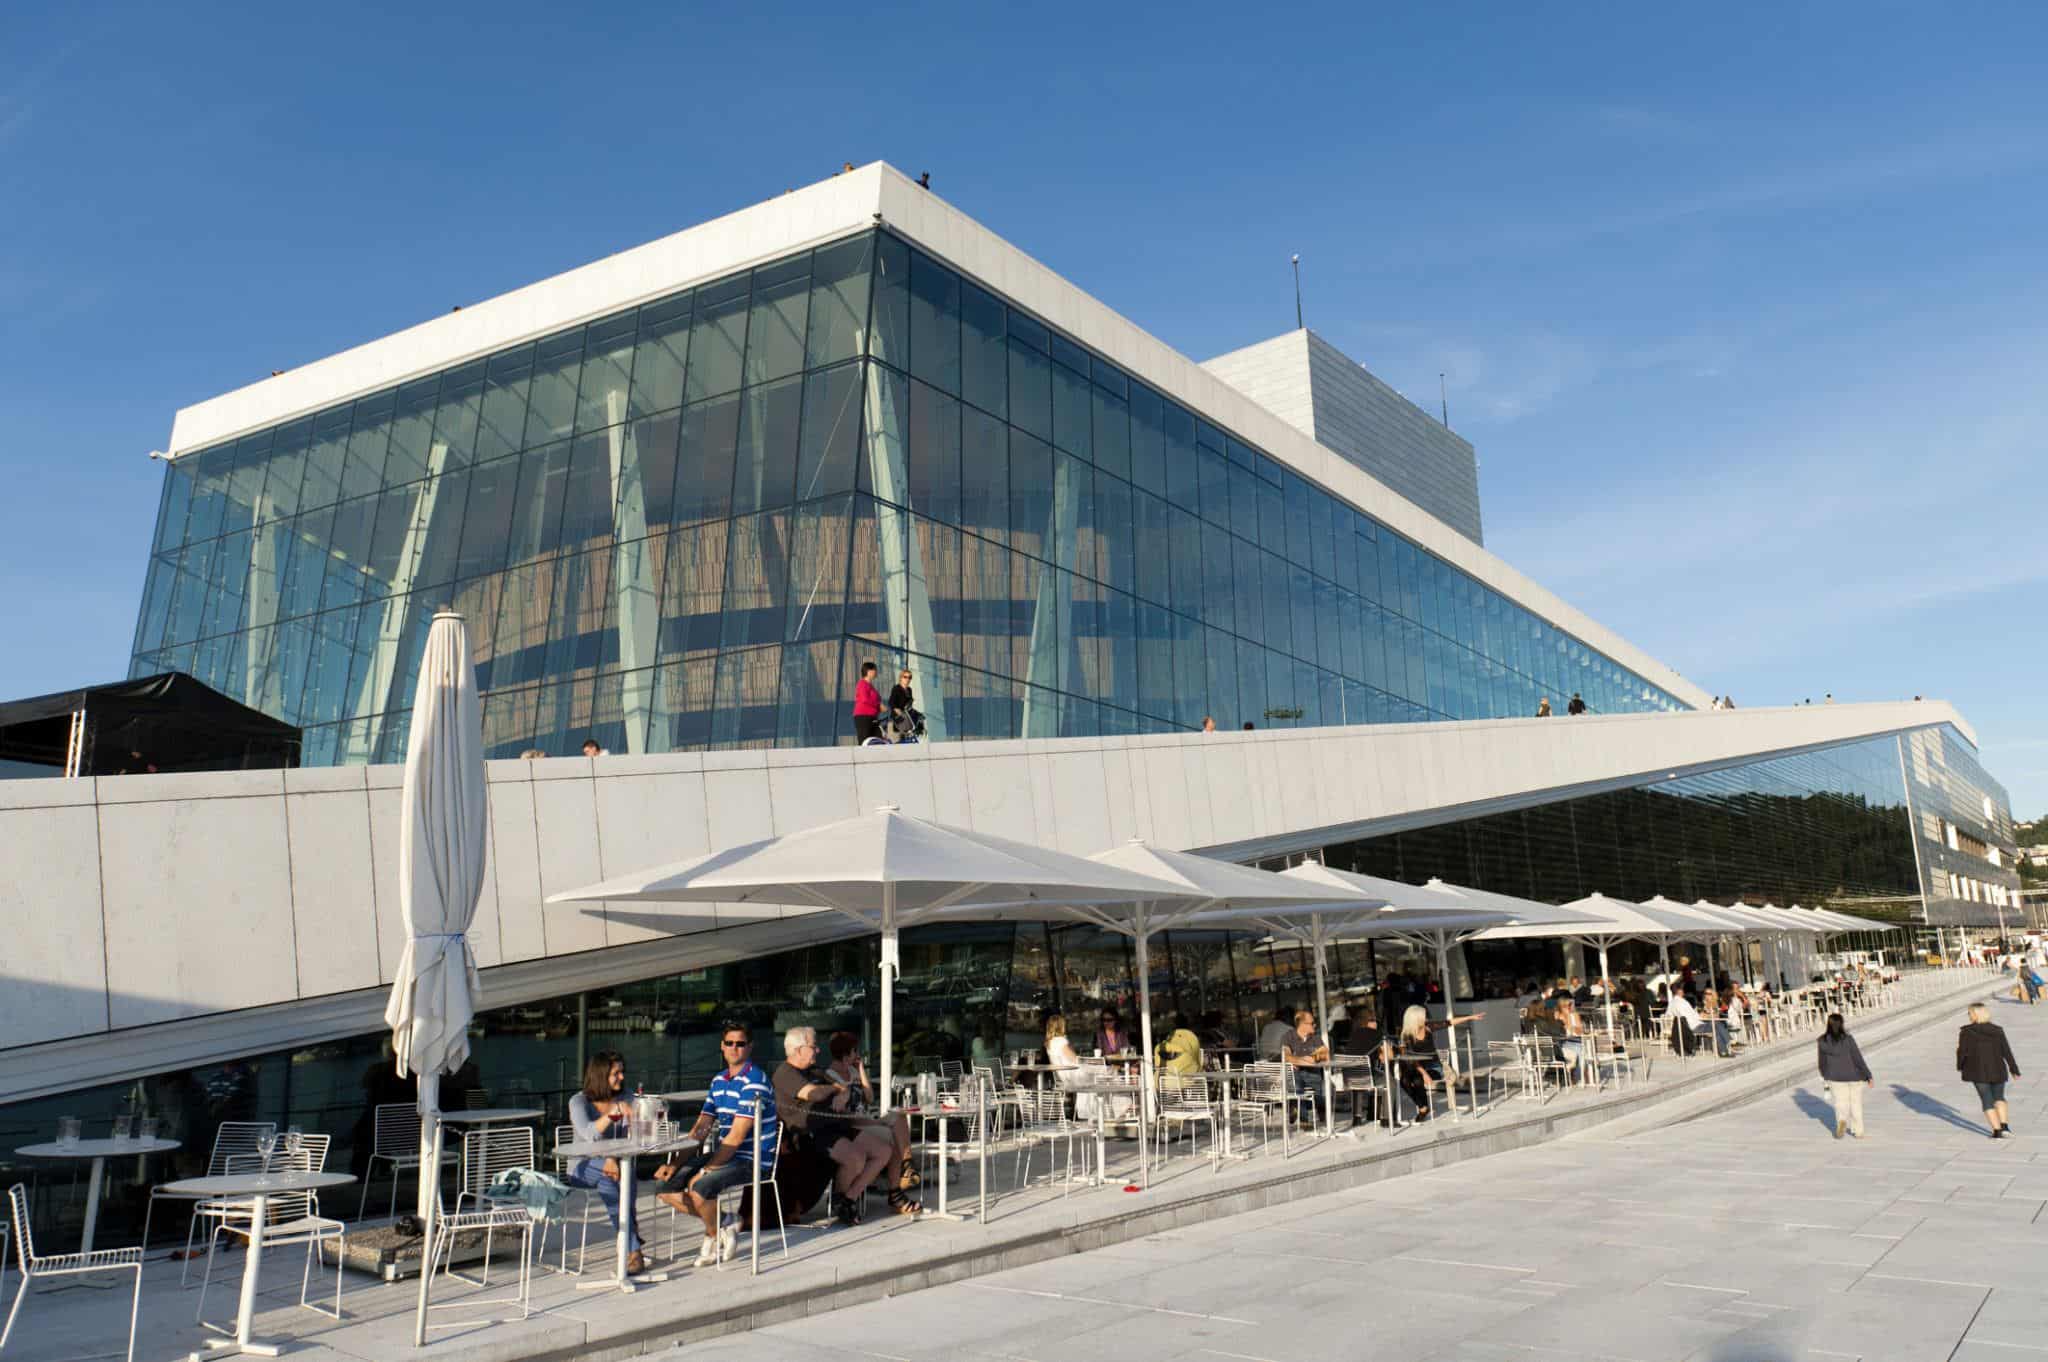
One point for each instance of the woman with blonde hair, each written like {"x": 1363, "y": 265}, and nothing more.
{"x": 1418, "y": 1069}
{"x": 1983, "y": 1058}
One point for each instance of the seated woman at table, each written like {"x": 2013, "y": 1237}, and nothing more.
{"x": 600, "y": 1112}
{"x": 1111, "y": 1039}
{"x": 850, "y": 1071}
{"x": 1571, "y": 1045}
{"x": 1419, "y": 1070}
{"x": 1181, "y": 1051}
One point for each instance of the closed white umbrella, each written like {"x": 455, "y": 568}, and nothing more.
{"x": 887, "y": 871}
{"x": 441, "y": 845}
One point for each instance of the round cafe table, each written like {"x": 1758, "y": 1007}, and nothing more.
{"x": 260, "y": 1187}
{"x": 99, "y": 1151}
{"x": 624, "y": 1151}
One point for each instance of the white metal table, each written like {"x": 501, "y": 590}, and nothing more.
{"x": 260, "y": 1187}
{"x": 1103, "y": 1089}
{"x": 99, "y": 1151}
{"x": 975, "y": 1111}
{"x": 625, "y": 1151}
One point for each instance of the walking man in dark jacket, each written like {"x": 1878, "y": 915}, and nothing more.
{"x": 1983, "y": 1058}
{"x": 1843, "y": 1070}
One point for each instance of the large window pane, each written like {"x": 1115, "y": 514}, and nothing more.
{"x": 1031, "y": 486}
{"x": 1109, "y": 515}
{"x": 1072, "y": 412}
{"x": 839, "y": 300}
{"x": 765, "y": 470}
{"x": 1030, "y": 389}
{"x": 602, "y": 392}
{"x": 889, "y": 328}
{"x": 775, "y": 332}
{"x": 369, "y": 438}
{"x": 984, "y": 351}
{"x": 756, "y": 580}
{"x": 459, "y": 412}
{"x": 934, "y": 323}
{"x": 1112, "y": 433}
{"x": 551, "y": 402}
{"x": 660, "y": 356}
{"x": 984, "y": 476}
{"x": 831, "y": 432}
{"x": 412, "y": 432}
{"x": 1218, "y": 594}
{"x": 718, "y": 340}
{"x": 704, "y": 462}
{"x": 935, "y": 486}
{"x": 537, "y": 506}
{"x": 488, "y": 517}
{"x": 501, "y": 428}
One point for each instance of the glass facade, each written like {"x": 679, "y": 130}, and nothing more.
{"x": 685, "y": 525}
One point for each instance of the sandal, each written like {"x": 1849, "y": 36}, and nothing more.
{"x": 901, "y": 1203}
{"x": 911, "y": 1179}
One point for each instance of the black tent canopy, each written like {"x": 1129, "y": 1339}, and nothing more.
{"x": 168, "y": 722}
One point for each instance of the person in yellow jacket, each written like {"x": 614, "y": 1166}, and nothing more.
{"x": 1181, "y": 1051}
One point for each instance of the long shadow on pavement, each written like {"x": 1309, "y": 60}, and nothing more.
{"x": 1931, "y": 1106}
{"x": 1816, "y": 1106}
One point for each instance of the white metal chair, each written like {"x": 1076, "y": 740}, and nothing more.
{"x": 1607, "y": 1057}
{"x": 566, "y": 1135}
{"x": 1043, "y": 1120}
{"x": 448, "y": 1228}
{"x": 487, "y": 1152}
{"x": 769, "y": 1187}
{"x": 310, "y": 1156}
{"x": 395, "y": 1140}
{"x": 229, "y": 1139}
{"x": 1184, "y": 1103}
{"x": 290, "y": 1218}
{"x": 34, "y": 1265}
{"x": 1264, "y": 1096}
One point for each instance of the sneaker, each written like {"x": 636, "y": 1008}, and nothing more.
{"x": 707, "y": 1252}
{"x": 1998, "y": 1134}
{"x": 728, "y": 1242}
{"x": 1840, "y": 1129}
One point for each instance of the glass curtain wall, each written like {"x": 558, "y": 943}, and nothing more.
{"x": 683, "y": 527}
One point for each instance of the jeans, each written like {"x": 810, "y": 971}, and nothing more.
{"x": 1989, "y": 1095}
{"x": 1848, "y": 1100}
{"x": 1721, "y": 1039}
{"x": 590, "y": 1174}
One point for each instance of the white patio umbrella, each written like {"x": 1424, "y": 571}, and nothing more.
{"x": 441, "y": 845}
{"x": 1411, "y": 912}
{"x": 886, "y": 870}
{"x": 1604, "y": 923}
{"x": 1202, "y": 886}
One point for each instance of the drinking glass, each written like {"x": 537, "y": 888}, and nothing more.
{"x": 67, "y": 1130}
{"x": 266, "y": 1145}
{"x": 150, "y": 1126}
{"x": 294, "y": 1140}
{"x": 121, "y": 1127}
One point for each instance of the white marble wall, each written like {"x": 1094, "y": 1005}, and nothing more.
{"x": 140, "y": 900}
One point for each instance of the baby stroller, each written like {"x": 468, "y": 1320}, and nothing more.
{"x": 902, "y": 726}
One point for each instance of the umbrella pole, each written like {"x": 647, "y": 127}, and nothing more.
{"x": 1317, "y": 943}
{"x": 1606, "y": 992}
{"x": 429, "y": 1197}
{"x": 890, "y": 960}
{"x": 1443, "y": 969}
{"x": 1145, "y": 1079}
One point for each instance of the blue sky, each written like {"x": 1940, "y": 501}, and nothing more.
{"x": 1745, "y": 315}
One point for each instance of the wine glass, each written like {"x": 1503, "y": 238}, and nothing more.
{"x": 266, "y": 1145}
{"x": 294, "y": 1141}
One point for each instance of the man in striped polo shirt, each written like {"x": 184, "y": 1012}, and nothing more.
{"x": 738, "y": 1091}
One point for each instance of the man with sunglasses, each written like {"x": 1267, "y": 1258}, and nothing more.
{"x": 737, "y": 1092}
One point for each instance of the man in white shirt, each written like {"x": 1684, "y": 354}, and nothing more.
{"x": 1274, "y": 1037}
{"x": 1680, "y": 1012}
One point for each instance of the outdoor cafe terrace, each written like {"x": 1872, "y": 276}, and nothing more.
{"x": 1020, "y": 1181}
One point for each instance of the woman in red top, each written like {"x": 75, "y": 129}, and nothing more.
{"x": 867, "y": 706}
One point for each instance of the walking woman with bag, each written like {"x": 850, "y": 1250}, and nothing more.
{"x": 1843, "y": 1070}
{"x": 1983, "y": 1057}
